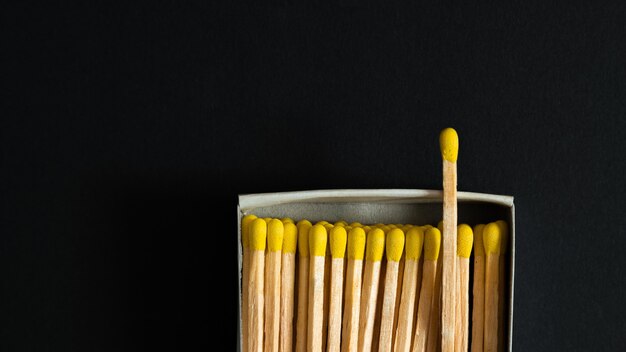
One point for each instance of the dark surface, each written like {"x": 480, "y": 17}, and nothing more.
{"x": 128, "y": 132}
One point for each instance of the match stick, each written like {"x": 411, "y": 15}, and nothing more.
{"x": 432, "y": 242}
{"x": 491, "y": 242}
{"x": 273, "y": 261}
{"x": 354, "y": 269}
{"x": 404, "y": 331}
{"x": 327, "y": 274}
{"x": 256, "y": 279}
{"x": 394, "y": 247}
{"x": 478, "y": 307}
{"x": 504, "y": 242}
{"x": 290, "y": 239}
{"x": 303, "y": 285}
{"x": 338, "y": 238}
{"x": 317, "y": 250}
{"x": 373, "y": 255}
{"x": 433, "y": 342}
{"x": 379, "y": 300}
{"x": 245, "y": 273}
{"x": 464, "y": 249}
{"x": 449, "y": 143}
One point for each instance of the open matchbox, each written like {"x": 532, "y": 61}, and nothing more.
{"x": 370, "y": 206}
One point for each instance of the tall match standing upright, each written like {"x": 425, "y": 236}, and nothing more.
{"x": 449, "y": 143}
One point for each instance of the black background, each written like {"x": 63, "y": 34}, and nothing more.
{"x": 128, "y": 131}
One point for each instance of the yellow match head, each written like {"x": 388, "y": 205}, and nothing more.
{"x": 258, "y": 234}
{"x": 395, "y": 245}
{"x": 432, "y": 242}
{"x": 275, "y": 234}
{"x": 348, "y": 228}
{"x": 464, "y": 240}
{"x": 479, "y": 249}
{"x": 449, "y": 144}
{"x": 329, "y": 227}
{"x": 303, "y": 237}
{"x": 366, "y": 228}
{"x": 341, "y": 223}
{"x": 267, "y": 220}
{"x": 245, "y": 229}
{"x": 414, "y": 242}
{"x": 439, "y": 226}
{"x": 385, "y": 228}
{"x": 356, "y": 224}
{"x": 392, "y": 226}
{"x": 318, "y": 238}
{"x": 321, "y": 222}
{"x": 290, "y": 238}
{"x": 356, "y": 243}
{"x": 406, "y": 228}
{"x": 338, "y": 239}
{"x": 286, "y": 220}
{"x": 504, "y": 235}
{"x": 375, "y": 245}
{"x": 491, "y": 238}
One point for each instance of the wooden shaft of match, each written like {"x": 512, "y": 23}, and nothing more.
{"x": 316, "y": 303}
{"x": 491, "y": 303}
{"x": 326, "y": 304}
{"x": 478, "y": 307}
{"x": 303, "y": 304}
{"x": 448, "y": 303}
{"x": 462, "y": 311}
{"x": 396, "y": 312}
{"x": 334, "y": 315}
{"x": 369, "y": 299}
{"x": 388, "y": 307}
{"x": 303, "y": 285}
{"x": 433, "y": 342}
{"x": 272, "y": 300}
{"x": 352, "y": 307}
{"x": 408, "y": 298}
{"x": 425, "y": 305}
{"x": 287, "y": 301}
{"x": 245, "y": 273}
{"x": 256, "y": 300}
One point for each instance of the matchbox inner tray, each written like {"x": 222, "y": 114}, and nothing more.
{"x": 404, "y": 206}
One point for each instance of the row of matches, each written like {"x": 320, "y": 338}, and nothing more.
{"x": 353, "y": 287}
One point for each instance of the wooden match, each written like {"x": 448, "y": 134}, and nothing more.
{"x": 354, "y": 269}
{"x": 303, "y": 285}
{"x": 256, "y": 280}
{"x": 287, "y": 285}
{"x": 449, "y": 143}
{"x": 317, "y": 251}
{"x": 410, "y": 289}
{"x": 478, "y": 306}
{"x": 491, "y": 242}
{"x": 465, "y": 239}
{"x": 245, "y": 273}
{"x": 394, "y": 248}
{"x": 338, "y": 239}
{"x": 432, "y": 243}
{"x": 273, "y": 261}
{"x": 374, "y": 253}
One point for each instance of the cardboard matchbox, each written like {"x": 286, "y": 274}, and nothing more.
{"x": 388, "y": 206}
